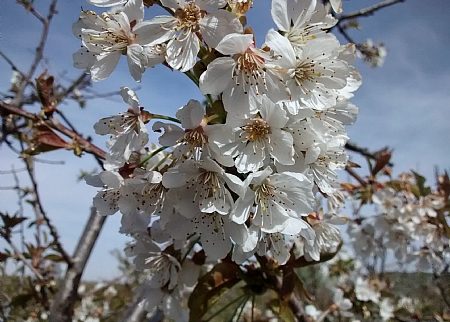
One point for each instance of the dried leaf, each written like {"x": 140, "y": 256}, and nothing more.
{"x": 45, "y": 91}
{"x": 382, "y": 159}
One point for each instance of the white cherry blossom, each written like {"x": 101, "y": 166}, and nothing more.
{"x": 242, "y": 77}
{"x": 279, "y": 200}
{"x": 192, "y": 21}
{"x": 108, "y": 36}
{"x": 127, "y": 130}
{"x": 253, "y": 141}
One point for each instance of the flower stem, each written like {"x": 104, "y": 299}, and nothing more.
{"x": 165, "y": 117}
{"x": 152, "y": 154}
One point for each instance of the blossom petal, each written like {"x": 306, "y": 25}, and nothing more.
{"x": 105, "y": 66}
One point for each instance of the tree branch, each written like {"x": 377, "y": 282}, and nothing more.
{"x": 63, "y": 305}
{"x": 39, "y": 49}
{"x": 369, "y": 10}
{"x": 85, "y": 144}
{"x": 40, "y": 209}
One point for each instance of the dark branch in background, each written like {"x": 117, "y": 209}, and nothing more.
{"x": 67, "y": 296}
{"x": 369, "y": 10}
{"x": 56, "y": 240}
{"x": 364, "y": 152}
{"x": 39, "y": 49}
{"x": 54, "y": 124}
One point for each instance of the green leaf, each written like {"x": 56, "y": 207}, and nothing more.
{"x": 54, "y": 258}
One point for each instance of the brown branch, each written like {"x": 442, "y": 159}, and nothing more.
{"x": 11, "y": 63}
{"x": 369, "y": 10}
{"x": 39, "y": 49}
{"x": 40, "y": 209}
{"x": 84, "y": 143}
{"x": 364, "y": 152}
{"x": 67, "y": 296}
{"x": 75, "y": 84}
{"x": 22, "y": 258}
{"x": 351, "y": 172}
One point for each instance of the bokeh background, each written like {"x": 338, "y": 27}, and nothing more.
{"x": 404, "y": 105}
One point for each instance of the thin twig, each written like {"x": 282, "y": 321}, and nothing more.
{"x": 85, "y": 144}
{"x": 358, "y": 178}
{"x": 22, "y": 258}
{"x": 30, "y": 170}
{"x": 39, "y": 49}
{"x": 369, "y": 10}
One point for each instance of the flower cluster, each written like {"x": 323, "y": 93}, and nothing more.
{"x": 241, "y": 176}
{"x": 407, "y": 224}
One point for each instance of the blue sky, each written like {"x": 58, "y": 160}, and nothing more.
{"x": 405, "y": 104}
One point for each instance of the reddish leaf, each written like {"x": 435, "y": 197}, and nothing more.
{"x": 44, "y": 86}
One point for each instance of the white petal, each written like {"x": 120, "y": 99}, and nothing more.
{"x": 104, "y": 66}
{"x": 215, "y": 26}
{"x": 279, "y": 13}
{"x": 129, "y": 96}
{"x": 153, "y": 32}
{"x": 182, "y": 55}
{"x": 172, "y": 133}
{"x": 83, "y": 58}
{"x": 217, "y": 76}
{"x": 106, "y": 3}
{"x": 234, "y": 44}
{"x": 281, "y": 146}
{"x": 242, "y": 207}
{"x": 134, "y": 9}
{"x": 134, "y": 57}
{"x": 191, "y": 114}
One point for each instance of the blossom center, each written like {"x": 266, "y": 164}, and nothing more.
{"x": 210, "y": 182}
{"x": 196, "y": 137}
{"x": 305, "y": 71}
{"x": 256, "y": 129}
{"x": 263, "y": 193}
{"x": 189, "y": 17}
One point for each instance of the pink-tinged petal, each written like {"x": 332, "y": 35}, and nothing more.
{"x": 106, "y": 3}
{"x": 104, "y": 66}
{"x": 281, "y": 147}
{"x": 171, "y": 133}
{"x": 134, "y": 9}
{"x": 134, "y": 58}
{"x": 215, "y": 26}
{"x": 129, "y": 96}
{"x": 83, "y": 58}
{"x": 153, "y": 32}
{"x": 217, "y": 76}
{"x": 191, "y": 114}
{"x": 182, "y": 55}
{"x": 234, "y": 44}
